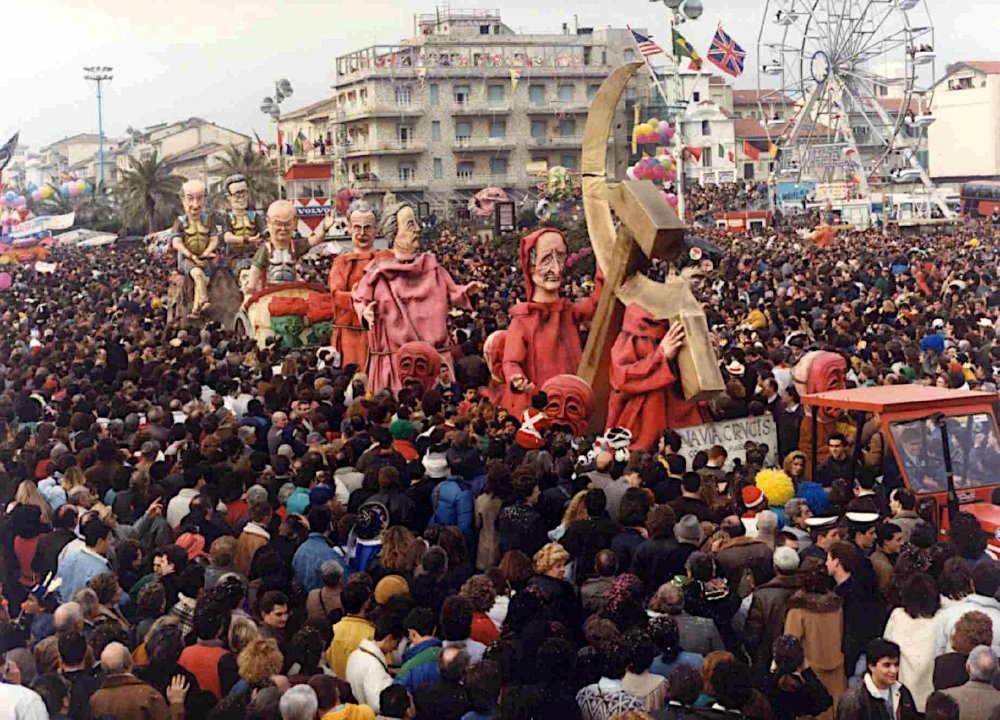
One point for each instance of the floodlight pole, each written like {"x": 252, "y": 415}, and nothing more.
{"x": 99, "y": 75}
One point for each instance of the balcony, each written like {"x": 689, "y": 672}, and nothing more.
{"x": 557, "y": 141}
{"x": 385, "y": 147}
{"x": 479, "y": 107}
{"x": 374, "y": 183}
{"x": 481, "y": 180}
{"x": 473, "y": 143}
{"x": 381, "y": 108}
{"x": 559, "y": 107}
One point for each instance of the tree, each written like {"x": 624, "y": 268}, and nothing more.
{"x": 262, "y": 184}
{"x": 148, "y": 195}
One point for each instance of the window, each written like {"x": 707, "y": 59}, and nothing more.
{"x": 567, "y": 127}
{"x": 748, "y": 171}
{"x": 592, "y": 90}
{"x": 465, "y": 169}
{"x": 462, "y": 94}
{"x": 435, "y": 92}
{"x": 463, "y": 129}
{"x": 536, "y": 94}
{"x": 495, "y": 94}
{"x": 496, "y": 29}
{"x": 706, "y": 157}
{"x": 629, "y": 56}
{"x": 538, "y": 131}
{"x": 696, "y": 96}
{"x": 436, "y": 131}
{"x": 498, "y": 167}
{"x": 484, "y": 29}
{"x": 404, "y": 95}
{"x": 568, "y": 162}
{"x": 706, "y": 127}
{"x": 438, "y": 169}
{"x": 566, "y": 93}
{"x": 404, "y": 133}
{"x": 498, "y": 129}
{"x": 407, "y": 172}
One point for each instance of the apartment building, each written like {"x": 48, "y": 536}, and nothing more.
{"x": 964, "y": 139}
{"x": 466, "y": 104}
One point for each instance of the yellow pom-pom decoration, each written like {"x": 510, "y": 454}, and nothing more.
{"x": 776, "y": 485}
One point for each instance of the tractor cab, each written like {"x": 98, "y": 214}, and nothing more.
{"x": 944, "y": 443}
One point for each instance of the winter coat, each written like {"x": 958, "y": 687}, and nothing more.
{"x": 402, "y": 509}
{"x": 520, "y": 527}
{"x": 859, "y": 703}
{"x": 915, "y": 637}
{"x": 817, "y": 620}
{"x": 250, "y": 541}
{"x": 766, "y": 619}
{"x": 126, "y": 697}
{"x": 737, "y": 555}
{"x": 453, "y": 505}
{"x": 560, "y": 598}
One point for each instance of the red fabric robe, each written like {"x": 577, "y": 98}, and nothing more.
{"x": 645, "y": 395}
{"x": 543, "y": 339}
{"x": 348, "y": 337}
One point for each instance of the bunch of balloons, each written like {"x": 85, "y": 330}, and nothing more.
{"x": 40, "y": 193}
{"x": 72, "y": 188}
{"x": 653, "y": 132}
{"x": 659, "y": 168}
{"x": 670, "y": 198}
{"x": 11, "y": 199}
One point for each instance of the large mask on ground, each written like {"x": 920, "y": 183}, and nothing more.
{"x": 820, "y": 371}
{"x": 418, "y": 363}
{"x": 570, "y": 403}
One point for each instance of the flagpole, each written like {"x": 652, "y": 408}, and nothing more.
{"x": 677, "y": 130}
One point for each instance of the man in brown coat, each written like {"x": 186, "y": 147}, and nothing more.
{"x": 254, "y": 536}
{"x": 123, "y": 696}
{"x": 738, "y": 552}
{"x": 766, "y": 617}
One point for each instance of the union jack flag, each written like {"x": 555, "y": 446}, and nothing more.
{"x": 646, "y": 46}
{"x": 726, "y": 54}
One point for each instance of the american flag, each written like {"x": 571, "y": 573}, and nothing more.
{"x": 726, "y": 54}
{"x": 646, "y": 46}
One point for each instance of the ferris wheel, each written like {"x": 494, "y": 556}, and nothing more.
{"x": 845, "y": 91}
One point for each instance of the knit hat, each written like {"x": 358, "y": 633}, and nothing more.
{"x": 402, "y": 430}
{"x": 786, "y": 560}
{"x": 752, "y": 496}
{"x": 390, "y": 586}
{"x": 689, "y": 529}
{"x": 435, "y": 464}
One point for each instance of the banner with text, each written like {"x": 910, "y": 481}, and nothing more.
{"x": 44, "y": 222}
{"x": 732, "y": 435}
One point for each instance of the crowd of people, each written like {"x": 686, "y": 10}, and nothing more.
{"x": 194, "y": 527}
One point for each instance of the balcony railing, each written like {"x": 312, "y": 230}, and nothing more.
{"x": 380, "y": 107}
{"x": 473, "y": 142}
{"x": 557, "y": 141}
{"x": 385, "y": 146}
{"x": 479, "y": 180}
{"x": 480, "y": 106}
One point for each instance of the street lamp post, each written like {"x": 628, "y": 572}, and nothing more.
{"x": 99, "y": 74}
{"x": 272, "y": 106}
{"x": 680, "y": 11}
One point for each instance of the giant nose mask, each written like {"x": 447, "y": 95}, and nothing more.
{"x": 418, "y": 363}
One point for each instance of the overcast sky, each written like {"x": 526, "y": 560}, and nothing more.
{"x": 217, "y": 59}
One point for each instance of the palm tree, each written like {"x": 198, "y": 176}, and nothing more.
{"x": 244, "y": 160}
{"x": 149, "y": 196}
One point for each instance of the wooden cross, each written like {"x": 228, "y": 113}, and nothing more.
{"x": 649, "y": 228}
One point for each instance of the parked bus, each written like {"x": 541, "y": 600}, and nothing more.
{"x": 980, "y": 199}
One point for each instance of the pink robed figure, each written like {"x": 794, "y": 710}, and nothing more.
{"x": 405, "y": 298}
